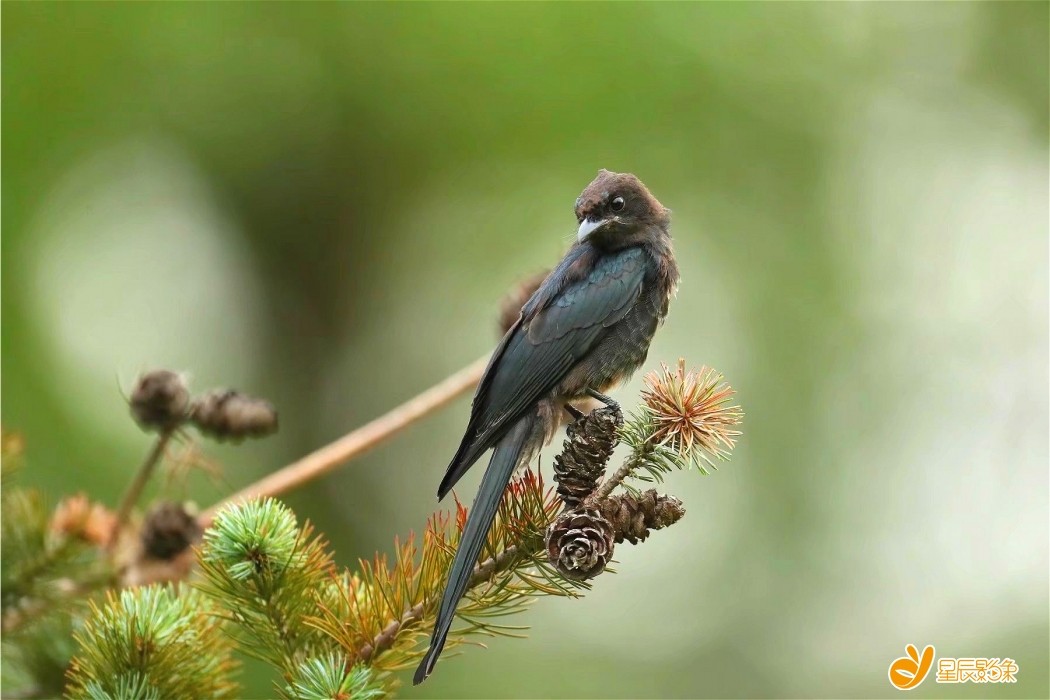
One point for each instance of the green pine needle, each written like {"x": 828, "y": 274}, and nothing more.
{"x": 132, "y": 686}
{"x": 43, "y": 578}
{"x": 252, "y": 538}
{"x": 32, "y": 560}
{"x": 327, "y": 678}
{"x": 381, "y": 614}
{"x": 154, "y": 641}
{"x": 266, "y": 574}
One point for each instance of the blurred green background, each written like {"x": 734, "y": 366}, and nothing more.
{"x": 323, "y": 204}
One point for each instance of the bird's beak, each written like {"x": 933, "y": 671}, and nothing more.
{"x": 587, "y": 227}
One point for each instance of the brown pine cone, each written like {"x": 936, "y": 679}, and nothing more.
{"x": 588, "y": 446}
{"x": 226, "y": 414}
{"x": 159, "y": 400}
{"x": 580, "y": 544}
{"x": 633, "y": 516}
{"x": 169, "y": 529}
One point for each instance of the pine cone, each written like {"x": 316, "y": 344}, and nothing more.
{"x": 580, "y": 544}
{"x": 589, "y": 445}
{"x": 159, "y": 400}
{"x": 633, "y": 516}
{"x": 226, "y": 414}
{"x": 169, "y": 529}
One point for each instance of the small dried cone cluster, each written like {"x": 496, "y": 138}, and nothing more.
{"x": 580, "y": 544}
{"x": 580, "y": 541}
{"x": 225, "y": 414}
{"x": 588, "y": 446}
{"x": 79, "y": 518}
{"x": 632, "y": 516}
{"x": 160, "y": 400}
{"x": 691, "y": 413}
{"x": 168, "y": 531}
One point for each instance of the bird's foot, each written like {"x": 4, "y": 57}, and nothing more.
{"x": 573, "y": 411}
{"x": 598, "y": 396}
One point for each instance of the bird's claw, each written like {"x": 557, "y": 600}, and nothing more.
{"x": 573, "y": 411}
{"x": 609, "y": 402}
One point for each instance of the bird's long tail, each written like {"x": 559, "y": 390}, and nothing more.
{"x": 511, "y": 451}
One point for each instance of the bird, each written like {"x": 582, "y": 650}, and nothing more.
{"x": 586, "y": 329}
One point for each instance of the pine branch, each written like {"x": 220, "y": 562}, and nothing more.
{"x": 380, "y": 613}
{"x": 344, "y": 634}
{"x": 357, "y": 442}
{"x": 40, "y": 570}
{"x": 377, "y": 614}
{"x": 683, "y": 420}
{"x": 37, "y": 654}
{"x": 483, "y": 572}
{"x": 268, "y": 576}
{"x": 328, "y": 678}
{"x": 152, "y": 642}
{"x": 263, "y": 572}
{"x": 46, "y": 569}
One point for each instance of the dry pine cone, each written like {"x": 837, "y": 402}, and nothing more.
{"x": 159, "y": 400}
{"x": 589, "y": 445}
{"x": 226, "y": 414}
{"x": 634, "y": 515}
{"x": 168, "y": 531}
{"x": 580, "y": 544}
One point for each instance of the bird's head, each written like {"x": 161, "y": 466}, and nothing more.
{"x": 616, "y": 210}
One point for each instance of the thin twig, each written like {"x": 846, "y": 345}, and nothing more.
{"x": 385, "y": 638}
{"x": 359, "y": 441}
{"x": 485, "y": 570}
{"x": 142, "y": 477}
{"x": 615, "y": 479}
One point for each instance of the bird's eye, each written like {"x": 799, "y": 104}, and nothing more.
{"x": 618, "y": 204}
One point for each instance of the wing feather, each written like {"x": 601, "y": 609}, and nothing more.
{"x": 543, "y": 347}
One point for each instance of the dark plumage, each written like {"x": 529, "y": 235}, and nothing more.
{"x": 586, "y": 329}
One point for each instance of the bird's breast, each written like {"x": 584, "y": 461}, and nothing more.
{"x": 623, "y": 349}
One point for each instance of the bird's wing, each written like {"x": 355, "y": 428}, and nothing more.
{"x": 543, "y": 347}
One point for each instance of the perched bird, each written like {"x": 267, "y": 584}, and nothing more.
{"x": 584, "y": 330}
